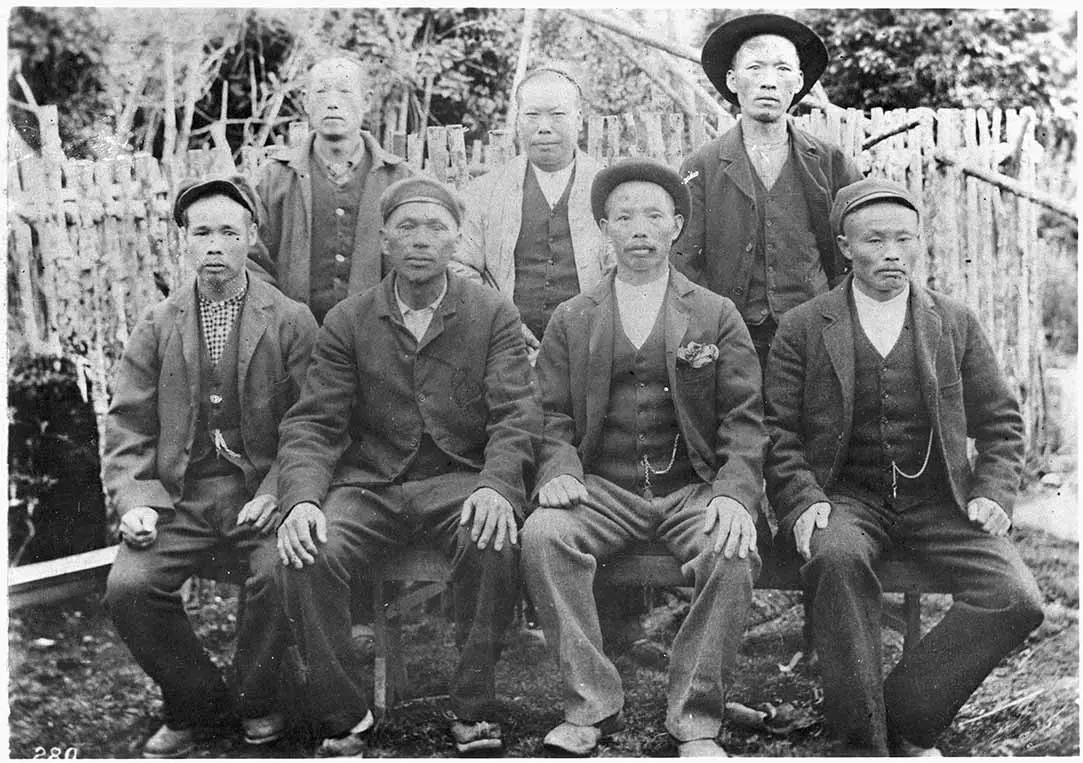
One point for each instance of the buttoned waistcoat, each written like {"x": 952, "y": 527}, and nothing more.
{"x": 809, "y": 392}
{"x": 718, "y": 244}
{"x": 152, "y": 417}
{"x": 719, "y": 406}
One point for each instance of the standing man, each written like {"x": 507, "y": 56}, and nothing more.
{"x": 761, "y": 193}
{"x": 528, "y": 229}
{"x": 320, "y": 220}
{"x": 191, "y": 439}
{"x": 414, "y": 426}
{"x": 872, "y": 392}
{"x": 653, "y": 429}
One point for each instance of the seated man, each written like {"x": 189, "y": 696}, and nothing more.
{"x": 653, "y": 428}
{"x": 191, "y": 438}
{"x": 872, "y": 391}
{"x": 415, "y": 426}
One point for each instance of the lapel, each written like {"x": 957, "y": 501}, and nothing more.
{"x": 188, "y": 331}
{"x": 445, "y": 313}
{"x": 735, "y": 164}
{"x": 510, "y": 201}
{"x": 838, "y": 339}
{"x": 254, "y": 322}
{"x": 678, "y": 311}
{"x": 599, "y": 353}
{"x": 299, "y": 163}
{"x": 927, "y": 330}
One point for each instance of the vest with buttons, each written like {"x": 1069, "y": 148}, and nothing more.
{"x": 787, "y": 269}
{"x": 334, "y": 224}
{"x": 641, "y": 420}
{"x": 219, "y": 408}
{"x": 545, "y": 273}
{"x": 891, "y": 421}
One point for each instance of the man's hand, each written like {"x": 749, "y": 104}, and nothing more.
{"x": 988, "y": 513}
{"x": 736, "y": 530}
{"x": 814, "y": 518}
{"x": 562, "y": 492}
{"x": 139, "y": 527}
{"x": 533, "y": 344}
{"x": 295, "y": 538}
{"x": 492, "y": 517}
{"x": 258, "y": 512}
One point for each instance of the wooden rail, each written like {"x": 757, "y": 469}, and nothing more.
{"x": 33, "y": 585}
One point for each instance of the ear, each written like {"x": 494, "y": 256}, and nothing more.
{"x": 603, "y": 226}
{"x": 844, "y": 246}
{"x": 678, "y": 226}
{"x": 384, "y": 242}
{"x": 731, "y": 80}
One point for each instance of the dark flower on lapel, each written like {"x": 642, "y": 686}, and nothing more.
{"x": 697, "y": 355}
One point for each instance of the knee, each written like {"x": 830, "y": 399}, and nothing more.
{"x": 544, "y": 531}
{"x": 125, "y": 589}
{"x": 1024, "y": 606}
{"x": 837, "y": 561}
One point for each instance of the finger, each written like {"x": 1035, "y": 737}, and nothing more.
{"x": 488, "y": 527}
{"x": 500, "y": 532}
{"x": 260, "y": 520}
{"x": 803, "y": 537}
{"x": 748, "y": 539}
{"x": 243, "y": 515}
{"x": 580, "y": 494}
{"x": 300, "y": 538}
{"x": 733, "y": 538}
{"x": 282, "y": 555}
{"x": 972, "y": 512}
{"x": 822, "y": 516}
{"x": 513, "y": 531}
{"x": 467, "y": 512}
{"x": 563, "y": 497}
{"x": 321, "y": 527}
{"x": 709, "y": 522}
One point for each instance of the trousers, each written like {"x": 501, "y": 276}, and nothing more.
{"x": 996, "y": 603}
{"x": 562, "y": 549}
{"x": 144, "y": 601}
{"x": 364, "y": 525}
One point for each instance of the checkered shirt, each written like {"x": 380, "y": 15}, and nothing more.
{"x": 217, "y": 319}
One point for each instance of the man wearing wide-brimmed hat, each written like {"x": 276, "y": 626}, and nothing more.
{"x": 761, "y": 192}
{"x": 653, "y": 429}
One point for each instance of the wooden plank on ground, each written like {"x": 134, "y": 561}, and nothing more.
{"x": 58, "y": 579}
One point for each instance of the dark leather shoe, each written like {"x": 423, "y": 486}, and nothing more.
{"x": 269, "y": 728}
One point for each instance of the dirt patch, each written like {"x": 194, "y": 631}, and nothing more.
{"x": 73, "y": 684}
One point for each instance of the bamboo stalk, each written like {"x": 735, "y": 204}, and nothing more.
{"x": 1010, "y": 184}
{"x": 529, "y": 16}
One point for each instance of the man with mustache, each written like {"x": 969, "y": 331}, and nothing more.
{"x": 761, "y": 192}
{"x": 415, "y": 425}
{"x": 191, "y": 439}
{"x": 872, "y": 391}
{"x": 320, "y": 220}
{"x": 653, "y": 429}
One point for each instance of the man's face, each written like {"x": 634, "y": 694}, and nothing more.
{"x": 419, "y": 239}
{"x": 641, "y": 224}
{"x": 548, "y": 121}
{"x": 336, "y": 99}
{"x": 765, "y": 75}
{"x": 882, "y": 240}
{"x": 217, "y": 237}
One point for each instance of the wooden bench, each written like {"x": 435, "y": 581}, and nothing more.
{"x": 649, "y": 564}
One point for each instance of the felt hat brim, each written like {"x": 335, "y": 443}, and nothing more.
{"x": 720, "y": 47}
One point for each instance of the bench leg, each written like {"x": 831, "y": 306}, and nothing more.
{"x": 912, "y": 607}
{"x": 379, "y": 633}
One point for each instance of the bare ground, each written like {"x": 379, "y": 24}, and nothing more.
{"x": 72, "y": 684}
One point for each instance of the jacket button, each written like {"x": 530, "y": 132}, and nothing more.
{"x": 739, "y": 290}
{"x": 748, "y": 248}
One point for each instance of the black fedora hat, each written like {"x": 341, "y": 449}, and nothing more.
{"x": 723, "y": 42}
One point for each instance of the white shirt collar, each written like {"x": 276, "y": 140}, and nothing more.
{"x": 553, "y": 183}
{"x": 639, "y": 305}
{"x": 417, "y": 320}
{"x": 882, "y": 321}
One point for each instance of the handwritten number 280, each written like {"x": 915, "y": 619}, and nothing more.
{"x": 56, "y": 753}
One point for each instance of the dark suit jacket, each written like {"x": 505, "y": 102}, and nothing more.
{"x": 152, "y": 418}
{"x": 719, "y": 406}
{"x": 369, "y": 395}
{"x": 718, "y": 244}
{"x": 285, "y": 193}
{"x": 810, "y": 401}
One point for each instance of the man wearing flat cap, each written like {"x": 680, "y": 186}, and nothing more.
{"x": 191, "y": 439}
{"x": 761, "y": 192}
{"x": 653, "y": 429}
{"x": 872, "y": 391}
{"x": 414, "y": 426}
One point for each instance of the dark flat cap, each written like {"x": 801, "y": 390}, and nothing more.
{"x": 421, "y": 188}
{"x": 647, "y": 170}
{"x": 857, "y": 195}
{"x": 235, "y": 187}
{"x": 724, "y": 41}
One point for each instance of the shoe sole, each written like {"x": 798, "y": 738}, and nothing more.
{"x": 257, "y": 741}
{"x": 183, "y": 753}
{"x": 478, "y": 745}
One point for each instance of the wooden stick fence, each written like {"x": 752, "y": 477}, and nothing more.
{"x": 91, "y": 243}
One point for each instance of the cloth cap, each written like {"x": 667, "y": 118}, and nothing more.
{"x": 232, "y": 186}
{"x": 646, "y": 170}
{"x": 724, "y": 42}
{"x": 420, "y": 188}
{"x": 864, "y": 192}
